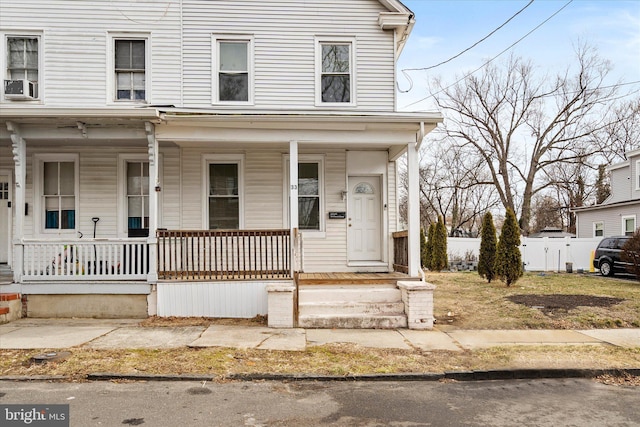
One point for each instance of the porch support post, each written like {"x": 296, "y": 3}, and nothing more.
{"x": 293, "y": 199}
{"x": 154, "y": 189}
{"x": 19, "y": 149}
{"x": 413, "y": 217}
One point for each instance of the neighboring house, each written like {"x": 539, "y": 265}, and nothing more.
{"x": 620, "y": 213}
{"x": 204, "y": 158}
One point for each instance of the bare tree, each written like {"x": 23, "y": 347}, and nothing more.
{"x": 621, "y": 133}
{"x": 454, "y": 185}
{"x": 521, "y": 124}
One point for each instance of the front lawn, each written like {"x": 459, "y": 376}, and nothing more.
{"x": 537, "y": 301}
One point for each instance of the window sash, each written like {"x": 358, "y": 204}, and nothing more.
{"x": 335, "y": 76}
{"x": 233, "y": 70}
{"x": 224, "y": 196}
{"x": 629, "y": 225}
{"x": 130, "y": 70}
{"x": 598, "y": 229}
{"x": 137, "y": 195}
{"x": 309, "y": 196}
{"x": 58, "y": 195}
{"x": 22, "y": 58}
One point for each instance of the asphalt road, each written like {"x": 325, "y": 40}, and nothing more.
{"x": 563, "y": 402}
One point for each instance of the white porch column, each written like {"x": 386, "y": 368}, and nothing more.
{"x": 293, "y": 199}
{"x": 413, "y": 219}
{"x": 154, "y": 189}
{"x": 19, "y": 149}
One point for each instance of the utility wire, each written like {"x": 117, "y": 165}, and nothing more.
{"x": 492, "y": 59}
{"x": 472, "y": 46}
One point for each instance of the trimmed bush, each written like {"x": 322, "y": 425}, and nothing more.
{"x": 439, "y": 260}
{"x": 428, "y": 252}
{"x": 508, "y": 264}
{"x": 488, "y": 248}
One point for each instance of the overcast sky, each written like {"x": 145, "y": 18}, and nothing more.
{"x": 444, "y": 28}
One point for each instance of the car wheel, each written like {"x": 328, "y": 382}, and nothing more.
{"x": 606, "y": 269}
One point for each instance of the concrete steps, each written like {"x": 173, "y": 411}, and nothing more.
{"x": 10, "y": 307}
{"x": 347, "y": 306}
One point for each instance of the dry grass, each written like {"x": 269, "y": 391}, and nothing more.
{"x": 467, "y": 301}
{"x": 336, "y": 359}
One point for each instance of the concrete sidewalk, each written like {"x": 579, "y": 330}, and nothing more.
{"x": 115, "y": 333}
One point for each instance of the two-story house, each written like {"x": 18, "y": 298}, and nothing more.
{"x": 208, "y": 158}
{"x": 620, "y": 213}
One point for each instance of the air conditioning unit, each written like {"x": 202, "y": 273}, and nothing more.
{"x": 20, "y": 89}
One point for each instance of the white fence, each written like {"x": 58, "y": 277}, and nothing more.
{"x": 539, "y": 253}
{"x": 109, "y": 259}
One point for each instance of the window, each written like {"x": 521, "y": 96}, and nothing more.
{"x": 628, "y": 225}
{"x": 23, "y": 61}
{"x": 224, "y": 198}
{"x": 310, "y": 201}
{"x": 58, "y": 199}
{"x": 234, "y": 80}
{"x": 336, "y": 72}
{"x": 598, "y": 229}
{"x": 308, "y": 196}
{"x": 130, "y": 69}
{"x": 137, "y": 198}
{"x": 638, "y": 175}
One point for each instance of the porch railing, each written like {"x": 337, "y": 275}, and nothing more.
{"x": 401, "y": 251}
{"x": 87, "y": 259}
{"x": 224, "y": 254}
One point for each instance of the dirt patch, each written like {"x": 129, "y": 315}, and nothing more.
{"x": 155, "y": 321}
{"x": 554, "y": 303}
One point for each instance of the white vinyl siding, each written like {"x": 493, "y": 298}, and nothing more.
{"x": 610, "y": 216}
{"x": 76, "y": 41}
{"x": 284, "y": 49}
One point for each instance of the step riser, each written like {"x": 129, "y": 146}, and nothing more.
{"x": 351, "y": 308}
{"x": 344, "y": 322}
{"x": 351, "y": 295}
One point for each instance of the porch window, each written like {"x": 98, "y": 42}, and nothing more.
{"x": 130, "y": 70}
{"x": 233, "y": 65}
{"x": 308, "y": 196}
{"x": 598, "y": 229}
{"x": 335, "y": 71}
{"x": 138, "y": 199}
{"x": 59, "y": 198}
{"x": 23, "y": 61}
{"x": 628, "y": 225}
{"x": 224, "y": 196}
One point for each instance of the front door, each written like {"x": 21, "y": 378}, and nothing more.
{"x": 364, "y": 219}
{"x": 5, "y": 214}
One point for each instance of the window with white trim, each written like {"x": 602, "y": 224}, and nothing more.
{"x": 335, "y": 67}
{"x": 22, "y": 66}
{"x": 233, "y": 79}
{"x": 56, "y": 186}
{"x": 637, "y": 174}
{"x": 598, "y": 229}
{"x": 310, "y": 199}
{"x": 130, "y": 69}
{"x": 224, "y": 193}
{"x": 137, "y": 189}
{"x": 628, "y": 225}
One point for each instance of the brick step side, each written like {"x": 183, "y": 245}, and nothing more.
{"x": 10, "y": 307}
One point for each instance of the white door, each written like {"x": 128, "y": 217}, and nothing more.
{"x": 364, "y": 219}
{"x": 5, "y": 214}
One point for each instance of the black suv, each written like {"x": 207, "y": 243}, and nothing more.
{"x": 607, "y": 257}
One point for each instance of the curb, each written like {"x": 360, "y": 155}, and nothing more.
{"x": 504, "y": 374}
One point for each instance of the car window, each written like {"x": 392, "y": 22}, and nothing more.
{"x": 607, "y": 243}
{"x": 620, "y": 243}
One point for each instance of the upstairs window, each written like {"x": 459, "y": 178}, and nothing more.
{"x": 234, "y": 80}
{"x": 22, "y": 72}
{"x": 598, "y": 229}
{"x": 638, "y": 175}
{"x": 130, "y": 70}
{"x": 335, "y": 62}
